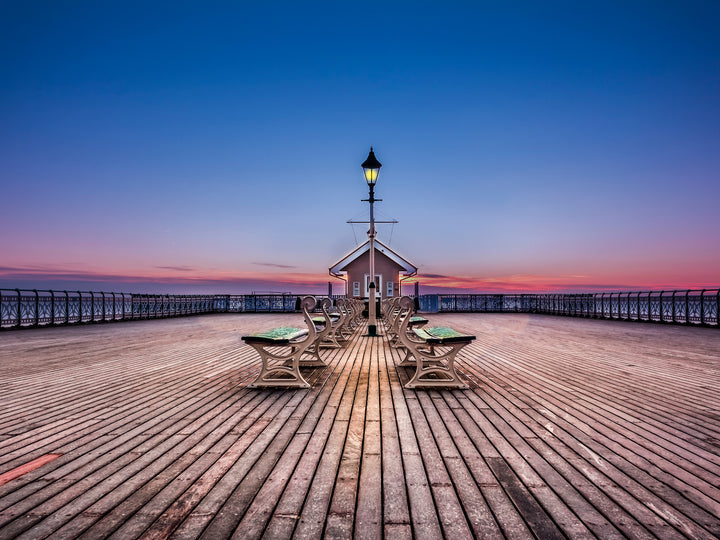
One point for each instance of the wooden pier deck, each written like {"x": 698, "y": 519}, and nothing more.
{"x": 571, "y": 428}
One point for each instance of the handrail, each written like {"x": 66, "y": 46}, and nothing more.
{"x": 21, "y": 308}
{"x": 688, "y": 306}
{"x": 32, "y": 308}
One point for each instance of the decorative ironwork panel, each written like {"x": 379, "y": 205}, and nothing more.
{"x": 96, "y": 313}
{"x": 9, "y": 312}
{"x": 693, "y": 306}
{"x": 448, "y": 302}
{"x": 623, "y": 306}
{"x": 45, "y": 308}
{"x": 59, "y": 309}
{"x": 653, "y": 307}
{"x": 27, "y": 309}
{"x": 711, "y": 305}
{"x": 631, "y": 306}
{"x": 235, "y": 304}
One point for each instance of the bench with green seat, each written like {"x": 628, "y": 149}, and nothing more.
{"x": 434, "y": 350}
{"x": 324, "y": 326}
{"x": 280, "y": 367}
{"x": 394, "y": 316}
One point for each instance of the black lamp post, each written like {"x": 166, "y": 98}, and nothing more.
{"x": 371, "y": 169}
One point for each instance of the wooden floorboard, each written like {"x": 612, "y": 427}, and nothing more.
{"x": 572, "y": 428}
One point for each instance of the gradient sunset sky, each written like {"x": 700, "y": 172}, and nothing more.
{"x": 216, "y": 146}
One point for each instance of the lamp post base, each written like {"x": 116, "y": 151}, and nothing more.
{"x": 372, "y": 331}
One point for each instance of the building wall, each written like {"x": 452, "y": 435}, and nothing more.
{"x": 384, "y": 266}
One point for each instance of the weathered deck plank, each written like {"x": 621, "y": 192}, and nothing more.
{"x": 570, "y": 428}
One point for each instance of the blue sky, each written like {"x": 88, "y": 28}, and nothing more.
{"x": 216, "y": 146}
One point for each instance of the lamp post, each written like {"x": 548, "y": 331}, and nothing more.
{"x": 371, "y": 169}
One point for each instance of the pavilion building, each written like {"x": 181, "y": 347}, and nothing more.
{"x": 390, "y": 269}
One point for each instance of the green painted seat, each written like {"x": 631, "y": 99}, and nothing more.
{"x": 321, "y": 320}
{"x": 441, "y": 334}
{"x": 278, "y": 336}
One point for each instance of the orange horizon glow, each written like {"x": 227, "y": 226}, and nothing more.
{"x": 44, "y": 276}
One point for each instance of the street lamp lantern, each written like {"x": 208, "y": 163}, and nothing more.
{"x": 371, "y": 168}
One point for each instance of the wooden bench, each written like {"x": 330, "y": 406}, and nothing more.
{"x": 326, "y": 327}
{"x": 434, "y": 350}
{"x": 280, "y": 350}
{"x": 333, "y": 331}
{"x": 393, "y": 316}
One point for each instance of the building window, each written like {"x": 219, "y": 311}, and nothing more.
{"x": 356, "y": 288}
{"x": 389, "y": 289}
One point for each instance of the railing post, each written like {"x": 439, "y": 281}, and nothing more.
{"x": 687, "y": 307}
{"x": 673, "y": 306}
{"x": 638, "y": 306}
{"x": 19, "y": 308}
{"x": 37, "y": 308}
{"x": 662, "y": 317}
{"x": 67, "y": 307}
{"x": 629, "y": 305}
{"x": 702, "y": 306}
{"x": 52, "y": 307}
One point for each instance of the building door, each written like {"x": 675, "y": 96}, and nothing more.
{"x": 378, "y": 285}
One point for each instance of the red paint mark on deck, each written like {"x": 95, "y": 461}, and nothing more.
{"x": 24, "y": 469}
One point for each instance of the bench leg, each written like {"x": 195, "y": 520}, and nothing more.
{"x": 330, "y": 341}
{"x": 314, "y": 351}
{"x": 288, "y": 364}
{"x": 442, "y": 364}
{"x": 409, "y": 359}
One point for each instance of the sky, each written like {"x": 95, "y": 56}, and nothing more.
{"x": 216, "y": 146}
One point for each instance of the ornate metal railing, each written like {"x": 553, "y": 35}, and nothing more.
{"x": 680, "y": 307}
{"x": 31, "y": 308}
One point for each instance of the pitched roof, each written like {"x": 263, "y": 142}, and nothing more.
{"x": 407, "y": 267}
